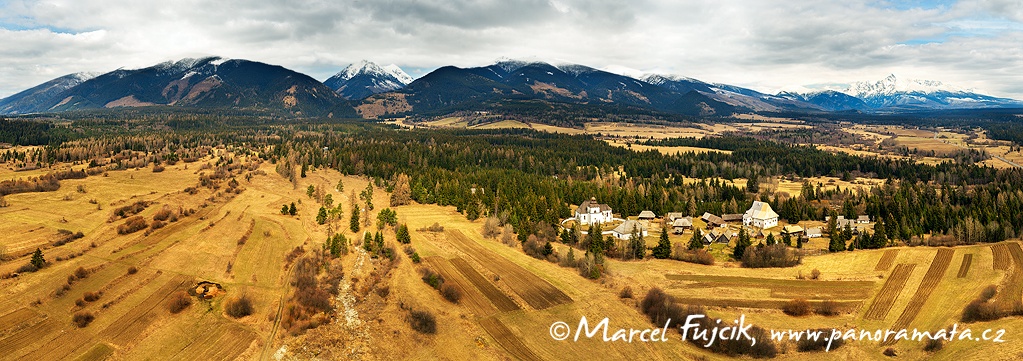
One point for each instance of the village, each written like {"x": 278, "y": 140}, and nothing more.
{"x": 718, "y": 233}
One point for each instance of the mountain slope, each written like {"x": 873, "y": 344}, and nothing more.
{"x": 30, "y": 99}
{"x": 451, "y": 89}
{"x": 362, "y": 79}
{"x": 893, "y": 92}
{"x": 208, "y": 83}
{"x": 829, "y": 100}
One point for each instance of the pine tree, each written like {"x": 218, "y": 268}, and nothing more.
{"x": 293, "y": 210}
{"x": 663, "y": 249}
{"x": 636, "y": 244}
{"x": 741, "y": 244}
{"x": 696, "y": 242}
{"x": 284, "y": 210}
{"x": 353, "y": 222}
{"x": 786, "y": 239}
{"x": 38, "y": 261}
{"x": 310, "y": 191}
{"x": 367, "y": 242}
{"x": 340, "y": 186}
{"x": 402, "y": 234}
{"x": 321, "y": 216}
{"x": 770, "y": 239}
{"x": 799, "y": 242}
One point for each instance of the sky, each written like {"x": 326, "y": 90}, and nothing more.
{"x": 765, "y": 45}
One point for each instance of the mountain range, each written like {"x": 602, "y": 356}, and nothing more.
{"x": 506, "y": 85}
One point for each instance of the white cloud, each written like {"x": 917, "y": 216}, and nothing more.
{"x": 767, "y": 45}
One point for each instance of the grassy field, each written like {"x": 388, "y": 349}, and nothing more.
{"x": 509, "y": 300}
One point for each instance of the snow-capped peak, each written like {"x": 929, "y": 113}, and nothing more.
{"x": 891, "y": 85}
{"x": 661, "y": 79}
{"x": 372, "y": 69}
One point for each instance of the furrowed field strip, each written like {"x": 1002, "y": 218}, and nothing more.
{"x": 887, "y": 259}
{"x": 504, "y": 337}
{"x": 964, "y": 268}
{"x": 472, "y": 297}
{"x": 97, "y": 352}
{"x": 129, "y": 326}
{"x": 885, "y": 298}
{"x": 782, "y": 288}
{"x": 536, "y": 291}
{"x": 931, "y": 279}
{"x": 1000, "y": 252}
{"x": 753, "y": 303}
{"x": 1012, "y": 291}
{"x": 13, "y": 321}
{"x": 27, "y": 336}
{"x": 498, "y": 299}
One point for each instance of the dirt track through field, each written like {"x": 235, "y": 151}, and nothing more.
{"x": 504, "y": 337}
{"x": 1000, "y": 252}
{"x": 931, "y": 279}
{"x": 964, "y": 268}
{"x": 887, "y": 259}
{"x": 537, "y": 292}
{"x": 472, "y": 298}
{"x": 782, "y": 288}
{"x": 885, "y": 298}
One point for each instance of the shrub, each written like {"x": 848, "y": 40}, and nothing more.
{"x": 28, "y": 267}
{"x": 700, "y": 256}
{"x": 432, "y": 278}
{"x": 808, "y": 344}
{"x": 81, "y": 273}
{"x": 132, "y": 225}
{"x": 82, "y": 318}
{"x": 132, "y": 270}
{"x": 163, "y": 214}
{"x": 239, "y": 307}
{"x": 91, "y": 296}
{"x": 890, "y": 352}
{"x": 797, "y": 307}
{"x": 451, "y": 293}
{"x": 157, "y": 225}
{"x": 828, "y": 308}
{"x": 934, "y": 345}
{"x": 179, "y": 301}
{"x": 626, "y": 292}
{"x": 815, "y": 274}
{"x": 422, "y": 321}
{"x": 776, "y": 255}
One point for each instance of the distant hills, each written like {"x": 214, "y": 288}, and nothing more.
{"x": 211, "y": 82}
{"x": 505, "y": 86}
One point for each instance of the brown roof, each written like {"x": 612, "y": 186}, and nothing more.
{"x": 683, "y": 222}
{"x": 647, "y": 215}
{"x": 732, "y": 217}
{"x": 592, "y": 203}
{"x": 710, "y": 218}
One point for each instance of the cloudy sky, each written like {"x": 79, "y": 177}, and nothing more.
{"x": 766, "y": 45}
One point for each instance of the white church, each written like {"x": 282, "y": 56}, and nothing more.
{"x": 760, "y": 215}
{"x": 592, "y": 212}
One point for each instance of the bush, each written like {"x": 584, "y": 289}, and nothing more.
{"x": 179, "y": 301}
{"x": 163, "y": 214}
{"x": 157, "y": 225}
{"x": 132, "y": 270}
{"x": 934, "y": 345}
{"x": 797, "y": 307}
{"x": 828, "y": 308}
{"x": 777, "y": 255}
{"x": 432, "y": 278}
{"x": 808, "y": 344}
{"x": 132, "y": 225}
{"x": 422, "y": 321}
{"x": 81, "y": 273}
{"x": 239, "y": 307}
{"x": 83, "y": 318}
{"x": 451, "y": 293}
{"x": 700, "y": 256}
{"x": 91, "y": 296}
{"x": 890, "y": 352}
{"x": 626, "y": 292}
{"x": 28, "y": 267}
{"x": 815, "y": 274}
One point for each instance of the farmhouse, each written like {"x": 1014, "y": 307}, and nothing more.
{"x": 680, "y": 225}
{"x": 733, "y": 217}
{"x": 792, "y": 229}
{"x": 592, "y": 212}
{"x": 647, "y": 215}
{"x": 760, "y": 215}
{"x": 712, "y": 220}
{"x": 813, "y": 232}
{"x": 719, "y": 237}
{"x": 624, "y": 230}
{"x": 672, "y": 216}
{"x": 863, "y": 219}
